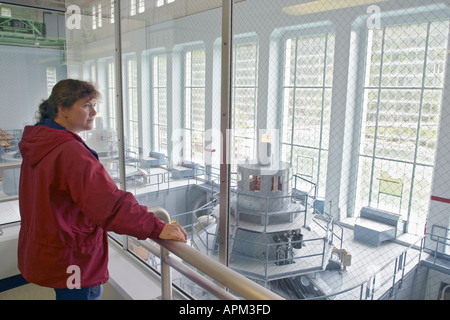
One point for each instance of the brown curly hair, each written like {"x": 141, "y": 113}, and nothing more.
{"x": 65, "y": 93}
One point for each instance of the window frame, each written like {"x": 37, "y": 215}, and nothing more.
{"x": 317, "y": 175}
{"x": 157, "y": 125}
{"x": 187, "y": 122}
{"x": 392, "y": 20}
{"x": 244, "y": 40}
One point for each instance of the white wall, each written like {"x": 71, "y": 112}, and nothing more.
{"x": 23, "y": 82}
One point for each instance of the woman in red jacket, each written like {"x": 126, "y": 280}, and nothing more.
{"x": 68, "y": 202}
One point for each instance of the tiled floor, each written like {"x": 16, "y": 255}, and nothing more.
{"x": 34, "y": 292}
{"x": 28, "y": 292}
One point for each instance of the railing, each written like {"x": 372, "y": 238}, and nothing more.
{"x": 379, "y": 283}
{"x": 266, "y": 210}
{"x": 392, "y": 282}
{"x": 312, "y": 250}
{"x": 237, "y": 283}
{"x": 400, "y": 262}
{"x": 9, "y": 166}
{"x": 330, "y": 228}
{"x": 442, "y": 242}
{"x": 313, "y": 187}
{"x": 311, "y": 259}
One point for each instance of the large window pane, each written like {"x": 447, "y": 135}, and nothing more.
{"x": 307, "y": 104}
{"x": 195, "y": 105}
{"x": 245, "y": 89}
{"x": 401, "y": 116}
{"x": 159, "y": 85}
{"x": 32, "y": 61}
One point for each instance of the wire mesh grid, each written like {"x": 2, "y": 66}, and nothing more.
{"x": 345, "y": 99}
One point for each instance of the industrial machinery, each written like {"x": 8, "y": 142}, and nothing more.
{"x": 276, "y": 236}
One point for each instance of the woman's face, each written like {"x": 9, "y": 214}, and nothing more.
{"x": 80, "y": 117}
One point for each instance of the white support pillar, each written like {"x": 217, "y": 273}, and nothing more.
{"x": 439, "y": 210}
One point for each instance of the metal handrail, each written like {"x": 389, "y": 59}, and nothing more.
{"x": 10, "y": 165}
{"x": 229, "y": 278}
{"x": 7, "y": 166}
{"x": 440, "y": 240}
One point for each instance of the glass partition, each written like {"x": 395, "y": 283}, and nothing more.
{"x": 282, "y": 77}
{"x": 335, "y": 110}
{"x": 166, "y": 107}
{"x": 32, "y": 60}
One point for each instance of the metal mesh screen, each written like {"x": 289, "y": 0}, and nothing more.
{"x": 338, "y": 132}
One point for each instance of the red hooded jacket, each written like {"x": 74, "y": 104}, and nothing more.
{"x": 67, "y": 204}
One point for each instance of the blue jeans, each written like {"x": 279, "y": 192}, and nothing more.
{"x": 92, "y": 293}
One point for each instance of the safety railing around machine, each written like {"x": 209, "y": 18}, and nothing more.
{"x": 307, "y": 255}
{"x": 314, "y": 251}
{"x": 304, "y": 189}
{"x": 333, "y": 228}
{"x": 386, "y": 282}
{"x": 275, "y": 261}
{"x": 230, "y": 280}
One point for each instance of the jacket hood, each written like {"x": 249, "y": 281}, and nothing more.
{"x": 38, "y": 141}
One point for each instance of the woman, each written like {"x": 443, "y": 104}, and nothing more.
{"x": 68, "y": 202}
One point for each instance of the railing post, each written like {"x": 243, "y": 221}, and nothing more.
{"x": 396, "y": 266}
{"x": 225, "y": 125}
{"x": 166, "y": 276}
{"x": 166, "y": 272}
{"x": 370, "y": 288}
{"x": 119, "y": 103}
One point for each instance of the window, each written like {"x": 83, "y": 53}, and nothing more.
{"x": 137, "y": 6}
{"x": 133, "y": 8}
{"x": 195, "y": 105}
{"x": 404, "y": 82}
{"x": 97, "y": 17}
{"x": 277, "y": 184}
{"x": 160, "y": 3}
{"x": 245, "y": 90}
{"x": 90, "y": 72}
{"x": 159, "y": 86}
{"x": 94, "y": 17}
{"x": 5, "y": 12}
{"x": 111, "y": 96}
{"x": 254, "y": 183}
{"x": 99, "y": 12}
{"x": 112, "y": 11}
{"x": 307, "y": 105}
{"x": 51, "y": 80}
{"x": 133, "y": 114}
{"x": 141, "y": 6}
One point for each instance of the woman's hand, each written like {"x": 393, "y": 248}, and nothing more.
{"x": 173, "y": 232}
